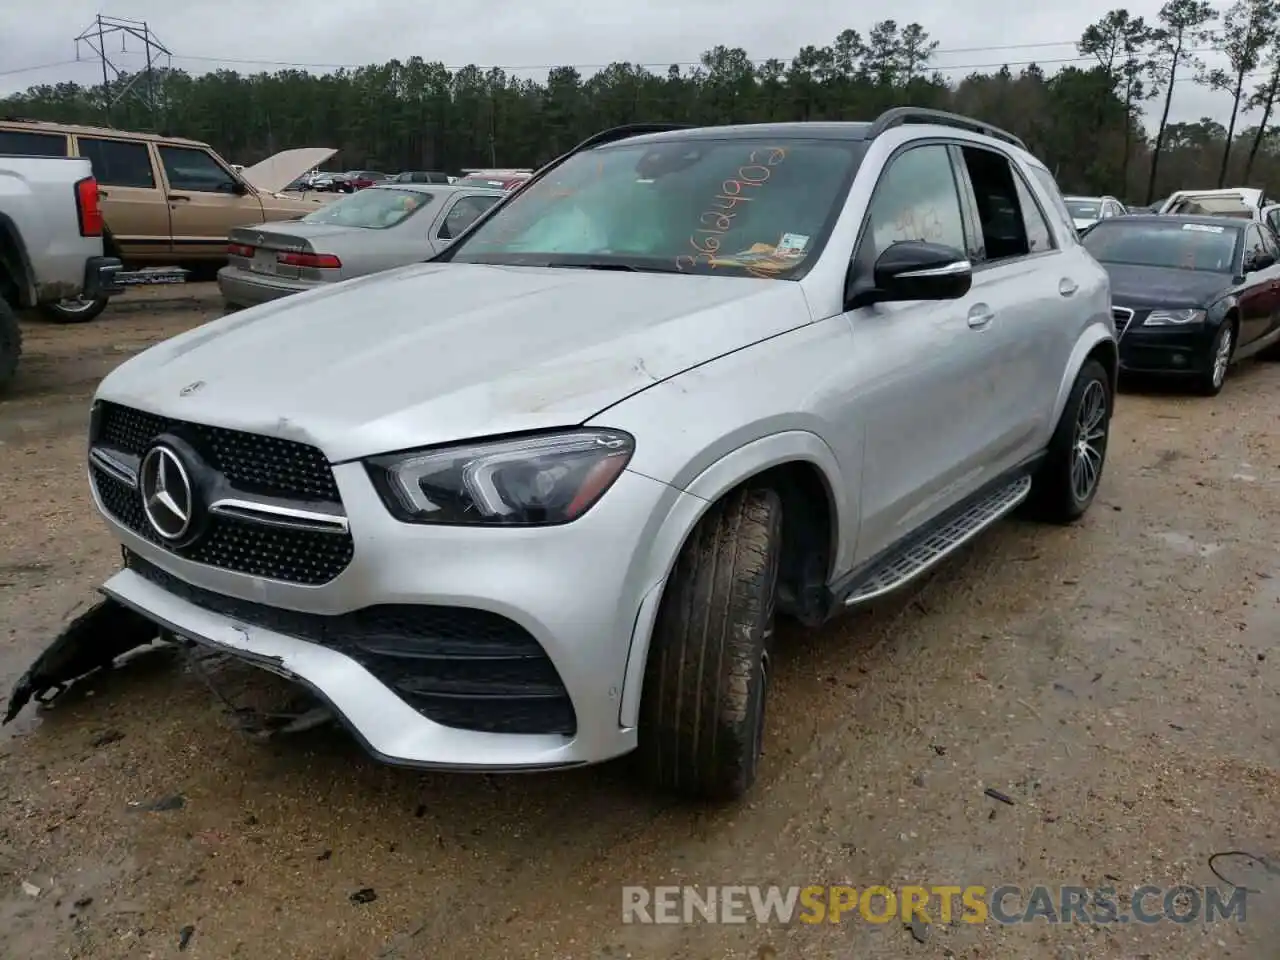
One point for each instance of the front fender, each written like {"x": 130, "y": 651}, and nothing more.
{"x": 703, "y": 490}
{"x": 1093, "y": 335}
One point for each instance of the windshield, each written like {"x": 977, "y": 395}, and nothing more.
{"x": 738, "y": 207}
{"x": 1185, "y": 246}
{"x": 374, "y": 209}
{"x": 1083, "y": 209}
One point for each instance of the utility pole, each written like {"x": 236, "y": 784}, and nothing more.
{"x": 94, "y": 37}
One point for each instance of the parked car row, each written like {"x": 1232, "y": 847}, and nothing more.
{"x": 164, "y": 200}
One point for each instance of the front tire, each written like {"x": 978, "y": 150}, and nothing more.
{"x": 707, "y": 673}
{"x": 1209, "y": 383}
{"x": 1067, "y": 482}
{"x": 79, "y": 310}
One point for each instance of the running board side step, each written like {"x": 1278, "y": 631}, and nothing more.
{"x": 904, "y": 565}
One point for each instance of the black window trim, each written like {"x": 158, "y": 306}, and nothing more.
{"x": 146, "y": 149}
{"x": 946, "y": 144}
{"x": 982, "y": 263}
{"x": 38, "y": 135}
{"x": 231, "y": 174}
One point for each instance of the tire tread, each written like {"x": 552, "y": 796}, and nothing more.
{"x": 698, "y": 717}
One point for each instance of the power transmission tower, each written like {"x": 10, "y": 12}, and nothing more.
{"x": 95, "y": 38}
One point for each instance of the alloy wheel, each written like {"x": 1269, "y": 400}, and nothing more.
{"x": 1222, "y": 357}
{"x": 1090, "y": 441}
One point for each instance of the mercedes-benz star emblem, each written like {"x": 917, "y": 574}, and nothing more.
{"x": 167, "y": 495}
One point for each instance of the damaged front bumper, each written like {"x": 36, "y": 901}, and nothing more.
{"x": 385, "y": 725}
{"x": 90, "y": 642}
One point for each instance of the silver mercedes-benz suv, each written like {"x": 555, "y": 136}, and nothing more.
{"x": 536, "y": 503}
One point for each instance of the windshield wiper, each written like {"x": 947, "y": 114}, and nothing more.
{"x": 595, "y": 265}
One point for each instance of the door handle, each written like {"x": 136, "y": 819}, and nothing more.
{"x": 980, "y": 315}
{"x": 1067, "y": 286}
{"x": 179, "y": 196}
{"x": 103, "y": 193}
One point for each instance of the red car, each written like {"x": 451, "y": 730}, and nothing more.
{"x": 359, "y": 179}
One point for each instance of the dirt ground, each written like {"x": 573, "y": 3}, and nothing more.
{"x": 1116, "y": 681}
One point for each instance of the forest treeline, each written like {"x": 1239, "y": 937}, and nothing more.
{"x": 1088, "y": 121}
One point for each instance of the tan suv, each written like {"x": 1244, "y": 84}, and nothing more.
{"x": 168, "y": 201}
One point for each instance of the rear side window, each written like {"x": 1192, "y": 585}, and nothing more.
{"x": 1050, "y": 187}
{"x": 118, "y": 163}
{"x": 1004, "y": 234}
{"x": 21, "y": 143}
{"x": 1039, "y": 236}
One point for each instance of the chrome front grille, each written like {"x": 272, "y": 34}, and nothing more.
{"x": 1123, "y": 316}
{"x": 273, "y": 506}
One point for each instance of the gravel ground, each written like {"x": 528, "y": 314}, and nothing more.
{"x": 1117, "y": 681}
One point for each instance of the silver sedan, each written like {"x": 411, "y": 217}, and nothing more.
{"x": 385, "y": 226}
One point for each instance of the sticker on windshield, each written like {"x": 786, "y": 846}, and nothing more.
{"x": 792, "y": 245}
{"x": 760, "y": 257}
{"x": 1203, "y": 228}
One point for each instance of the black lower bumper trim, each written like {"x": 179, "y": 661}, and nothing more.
{"x": 460, "y": 667}
{"x": 100, "y": 275}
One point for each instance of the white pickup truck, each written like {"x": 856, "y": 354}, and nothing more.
{"x": 50, "y": 243}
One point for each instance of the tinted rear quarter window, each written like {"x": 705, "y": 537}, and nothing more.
{"x": 22, "y": 143}
{"x": 1050, "y": 187}
{"x": 118, "y": 163}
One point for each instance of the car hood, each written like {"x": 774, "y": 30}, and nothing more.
{"x": 279, "y": 170}
{"x": 1134, "y": 286}
{"x": 433, "y": 353}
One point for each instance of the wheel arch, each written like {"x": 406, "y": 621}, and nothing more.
{"x": 1097, "y": 343}
{"x": 816, "y": 504}
{"x": 15, "y": 265}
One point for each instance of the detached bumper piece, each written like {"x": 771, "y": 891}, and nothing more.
{"x": 461, "y": 668}
{"x": 89, "y": 642}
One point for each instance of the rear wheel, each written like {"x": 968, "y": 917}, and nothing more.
{"x": 10, "y": 344}
{"x": 78, "y": 310}
{"x": 1067, "y": 481}
{"x": 707, "y": 675}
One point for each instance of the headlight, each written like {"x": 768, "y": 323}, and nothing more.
{"x": 1173, "y": 318}
{"x": 537, "y": 480}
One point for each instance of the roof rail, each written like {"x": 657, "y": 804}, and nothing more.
{"x": 898, "y": 116}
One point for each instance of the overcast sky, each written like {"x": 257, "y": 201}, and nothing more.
{"x": 37, "y": 40}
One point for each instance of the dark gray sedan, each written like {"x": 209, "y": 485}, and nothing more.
{"x": 385, "y": 226}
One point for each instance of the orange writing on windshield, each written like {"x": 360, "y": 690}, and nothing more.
{"x": 717, "y": 221}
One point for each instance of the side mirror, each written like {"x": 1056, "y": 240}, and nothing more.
{"x": 1258, "y": 261}
{"x": 913, "y": 270}
{"x": 239, "y": 188}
